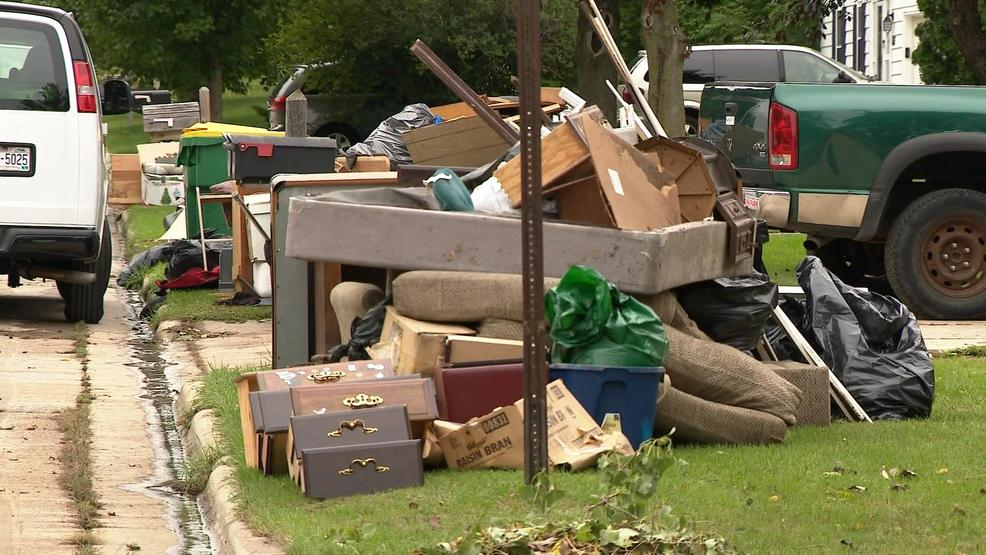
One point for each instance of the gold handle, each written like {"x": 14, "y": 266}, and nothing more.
{"x": 352, "y": 425}
{"x": 362, "y": 401}
{"x": 326, "y": 376}
{"x": 363, "y": 463}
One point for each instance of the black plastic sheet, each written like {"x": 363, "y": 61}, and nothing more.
{"x": 386, "y": 139}
{"x": 734, "y": 311}
{"x": 871, "y": 342}
{"x": 187, "y": 255}
{"x": 365, "y": 332}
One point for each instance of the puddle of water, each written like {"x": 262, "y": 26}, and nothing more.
{"x": 157, "y": 385}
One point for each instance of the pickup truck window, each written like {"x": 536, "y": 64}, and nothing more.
{"x": 747, "y": 65}
{"x": 698, "y": 68}
{"x": 32, "y": 69}
{"x": 801, "y": 67}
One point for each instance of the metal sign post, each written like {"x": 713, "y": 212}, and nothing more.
{"x": 535, "y": 370}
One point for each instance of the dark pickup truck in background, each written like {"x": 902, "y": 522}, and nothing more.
{"x": 888, "y": 182}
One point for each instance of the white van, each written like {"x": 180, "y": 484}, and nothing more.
{"x": 53, "y": 183}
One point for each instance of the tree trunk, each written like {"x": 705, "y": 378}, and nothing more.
{"x": 216, "y": 87}
{"x": 664, "y": 42}
{"x": 592, "y": 64}
{"x": 967, "y": 30}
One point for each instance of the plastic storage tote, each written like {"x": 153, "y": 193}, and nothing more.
{"x": 204, "y": 158}
{"x": 256, "y": 159}
{"x": 629, "y": 391}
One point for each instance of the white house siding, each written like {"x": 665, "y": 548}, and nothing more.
{"x": 902, "y": 44}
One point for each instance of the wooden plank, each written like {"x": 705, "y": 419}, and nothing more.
{"x": 447, "y": 144}
{"x": 561, "y": 151}
{"x": 327, "y": 333}
{"x": 363, "y": 164}
{"x": 338, "y": 179}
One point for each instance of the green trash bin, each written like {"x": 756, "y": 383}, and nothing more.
{"x": 206, "y": 162}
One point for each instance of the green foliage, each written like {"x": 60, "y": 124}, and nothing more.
{"x": 939, "y": 58}
{"x": 366, "y": 44}
{"x": 795, "y": 22}
{"x": 624, "y": 520}
{"x": 180, "y": 42}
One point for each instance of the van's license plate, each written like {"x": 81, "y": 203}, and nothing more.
{"x": 15, "y": 159}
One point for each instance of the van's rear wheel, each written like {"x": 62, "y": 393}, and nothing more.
{"x": 84, "y": 303}
{"x": 936, "y": 255}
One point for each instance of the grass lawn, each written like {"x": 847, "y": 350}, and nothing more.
{"x": 822, "y": 491}
{"x": 127, "y": 130}
{"x": 782, "y": 254}
{"x": 143, "y": 228}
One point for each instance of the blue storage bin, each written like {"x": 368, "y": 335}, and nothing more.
{"x": 629, "y": 391}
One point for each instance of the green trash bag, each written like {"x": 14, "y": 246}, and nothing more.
{"x": 594, "y": 323}
{"x": 450, "y": 191}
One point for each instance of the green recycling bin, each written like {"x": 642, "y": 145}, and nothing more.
{"x": 206, "y": 162}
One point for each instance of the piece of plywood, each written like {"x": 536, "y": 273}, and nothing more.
{"x": 630, "y": 182}
{"x": 686, "y": 167}
{"x": 363, "y": 164}
{"x": 463, "y": 142}
{"x": 562, "y": 150}
{"x": 583, "y": 202}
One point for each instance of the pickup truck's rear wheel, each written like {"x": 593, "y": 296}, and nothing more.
{"x": 936, "y": 255}
{"x": 85, "y": 302}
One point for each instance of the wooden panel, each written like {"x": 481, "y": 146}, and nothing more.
{"x": 170, "y": 117}
{"x": 561, "y": 151}
{"x": 337, "y": 179}
{"x": 686, "y": 167}
{"x": 327, "y": 333}
{"x": 630, "y": 181}
{"x": 462, "y": 142}
{"x": 583, "y": 202}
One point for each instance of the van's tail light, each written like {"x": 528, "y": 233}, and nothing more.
{"x": 277, "y": 104}
{"x": 85, "y": 88}
{"x": 782, "y": 139}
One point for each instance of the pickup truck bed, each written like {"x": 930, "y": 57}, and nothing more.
{"x": 887, "y": 181}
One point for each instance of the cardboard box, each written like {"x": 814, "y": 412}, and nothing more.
{"x": 464, "y": 141}
{"x": 497, "y": 439}
{"x": 125, "y": 182}
{"x": 461, "y": 349}
{"x": 417, "y": 345}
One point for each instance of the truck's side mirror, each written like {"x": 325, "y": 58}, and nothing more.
{"x": 843, "y": 77}
{"x": 116, "y": 97}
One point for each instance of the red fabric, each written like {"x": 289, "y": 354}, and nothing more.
{"x": 191, "y": 279}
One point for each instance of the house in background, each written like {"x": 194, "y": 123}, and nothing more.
{"x": 855, "y": 36}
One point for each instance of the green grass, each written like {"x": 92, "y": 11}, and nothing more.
{"x": 126, "y": 131}
{"x": 782, "y": 254}
{"x": 144, "y": 226}
{"x": 191, "y": 305}
{"x": 774, "y": 499}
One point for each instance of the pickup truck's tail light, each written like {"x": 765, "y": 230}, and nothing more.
{"x": 85, "y": 89}
{"x": 782, "y": 138}
{"x": 277, "y": 104}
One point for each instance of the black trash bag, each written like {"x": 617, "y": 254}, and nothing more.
{"x": 365, "y": 332}
{"x": 150, "y": 257}
{"x": 169, "y": 219}
{"x": 734, "y": 311}
{"x": 187, "y": 255}
{"x": 386, "y": 138}
{"x": 871, "y": 342}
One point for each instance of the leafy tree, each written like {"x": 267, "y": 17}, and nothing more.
{"x": 937, "y": 54}
{"x": 365, "y": 44}
{"x": 183, "y": 43}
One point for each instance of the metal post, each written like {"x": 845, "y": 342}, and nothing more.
{"x": 535, "y": 371}
{"x": 296, "y": 115}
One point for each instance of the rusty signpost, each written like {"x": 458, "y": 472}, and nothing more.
{"x": 535, "y": 370}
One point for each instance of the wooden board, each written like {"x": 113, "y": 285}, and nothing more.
{"x": 561, "y": 151}
{"x": 338, "y": 179}
{"x": 583, "y": 202}
{"x": 363, "y": 164}
{"x": 464, "y": 142}
{"x": 630, "y": 182}
{"x": 686, "y": 167}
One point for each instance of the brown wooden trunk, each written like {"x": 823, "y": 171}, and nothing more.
{"x": 593, "y": 65}
{"x": 664, "y": 42}
{"x": 216, "y": 87}
{"x": 966, "y": 26}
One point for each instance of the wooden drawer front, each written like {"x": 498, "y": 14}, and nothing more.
{"x": 359, "y": 469}
{"x": 353, "y": 427}
{"x": 326, "y": 374}
{"x": 275, "y": 409}
{"x": 418, "y": 394}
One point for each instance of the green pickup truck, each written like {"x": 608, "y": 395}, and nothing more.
{"x": 888, "y": 182}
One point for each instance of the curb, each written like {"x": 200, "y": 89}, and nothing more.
{"x": 230, "y": 534}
